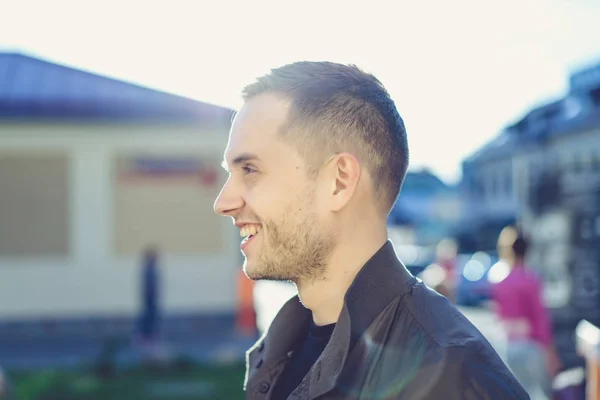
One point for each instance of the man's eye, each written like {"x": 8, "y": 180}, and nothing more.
{"x": 248, "y": 170}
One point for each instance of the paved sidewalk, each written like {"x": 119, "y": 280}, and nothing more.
{"x": 65, "y": 353}
{"x": 33, "y": 345}
{"x": 486, "y": 322}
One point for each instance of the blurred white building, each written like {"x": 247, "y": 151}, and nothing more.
{"x": 92, "y": 170}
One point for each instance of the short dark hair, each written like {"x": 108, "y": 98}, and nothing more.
{"x": 520, "y": 246}
{"x": 341, "y": 108}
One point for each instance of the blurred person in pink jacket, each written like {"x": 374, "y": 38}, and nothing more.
{"x": 517, "y": 297}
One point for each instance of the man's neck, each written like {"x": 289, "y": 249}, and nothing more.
{"x": 325, "y": 296}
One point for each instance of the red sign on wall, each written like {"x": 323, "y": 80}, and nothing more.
{"x": 169, "y": 169}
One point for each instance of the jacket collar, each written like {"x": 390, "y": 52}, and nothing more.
{"x": 382, "y": 279}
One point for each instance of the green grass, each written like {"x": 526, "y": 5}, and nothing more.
{"x": 180, "y": 383}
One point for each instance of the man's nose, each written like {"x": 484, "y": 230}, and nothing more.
{"x": 229, "y": 200}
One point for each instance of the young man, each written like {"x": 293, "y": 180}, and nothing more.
{"x": 316, "y": 158}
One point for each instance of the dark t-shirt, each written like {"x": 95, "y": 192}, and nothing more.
{"x": 303, "y": 359}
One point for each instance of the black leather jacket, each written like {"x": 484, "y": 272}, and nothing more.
{"x": 395, "y": 339}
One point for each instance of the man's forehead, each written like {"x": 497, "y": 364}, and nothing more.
{"x": 255, "y": 127}
{"x": 263, "y": 113}
{"x": 248, "y": 144}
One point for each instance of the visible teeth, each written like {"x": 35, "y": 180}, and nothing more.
{"x": 248, "y": 230}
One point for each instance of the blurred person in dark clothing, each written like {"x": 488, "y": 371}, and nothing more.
{"x": 316, "y": 158}
{"x": 149, "y": 318}
{"x": 5, "y": 388}
{"x": 517, "y": 297}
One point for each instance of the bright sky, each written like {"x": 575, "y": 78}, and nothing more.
{"x": 458, "y": 70}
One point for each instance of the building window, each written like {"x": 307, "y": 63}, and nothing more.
{"x": 479, "y": 188}
{"x": 595, "y": 161}
{"x": 586, "y": 161}
{"x": 595, "y": 96}
{"x": 565, "y": 161}
{"x": 489, "y": 187}
{"x": 577, "y": 164}
{"x": 34, "y": 204}
{"x": 474, "y": 188}
{"x": 508, "y": 187}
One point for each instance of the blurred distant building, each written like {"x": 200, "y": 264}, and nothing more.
{"x": 543, "y": 172}
{"x": 501, "y": 180}
{"x": 92, "y": 170}
{"x": 428, "y": 206}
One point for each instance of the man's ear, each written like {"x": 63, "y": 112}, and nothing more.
{"x": 346, "y": 171}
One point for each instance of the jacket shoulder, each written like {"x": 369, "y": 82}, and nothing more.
{"x": 445, "y": 355}
{"x": 440, "y": 320}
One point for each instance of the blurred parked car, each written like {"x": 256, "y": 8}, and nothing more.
{"x": 473, "y": 287}
{"x": 472, "y": 283}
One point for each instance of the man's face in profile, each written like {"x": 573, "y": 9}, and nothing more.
{"x": 271, "y": 198}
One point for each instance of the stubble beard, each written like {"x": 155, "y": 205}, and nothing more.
{"x": 296, "y": 249}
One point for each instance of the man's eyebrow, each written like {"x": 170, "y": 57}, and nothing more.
{"x": 242, "y": 158}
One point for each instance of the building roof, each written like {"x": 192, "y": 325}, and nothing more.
{"x": 585, "y": 78}
{"x": 577, "y": 111}
{"x": 503, "y": 145}
{"x": 423, "y": 181}
{"x": 584, "y": 121}
{"x": 31, "y": 88}
{"x": 546, "y": 121}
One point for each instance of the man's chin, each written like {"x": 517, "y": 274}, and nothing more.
{"x": 252, "y": 271}
{"x": 258, "y": 273}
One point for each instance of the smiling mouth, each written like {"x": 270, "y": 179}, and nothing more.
{"x": 249, "y": 231}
